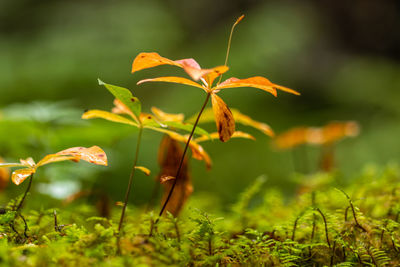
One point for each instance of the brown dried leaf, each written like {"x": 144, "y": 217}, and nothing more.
{"x": 223, "y": 118}
{"x": 165, "y": 178}
{"x": 170, "y": 154}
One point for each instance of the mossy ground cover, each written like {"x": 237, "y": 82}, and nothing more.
{"x": 330, "y": 222}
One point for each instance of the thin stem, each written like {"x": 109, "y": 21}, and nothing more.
{"x": 128, "y": 190}
{"x": 25, "y": 194}
{"x": 326, "y": 226}
{"x": 183, "y": 157}
{"x": 229, "y": 44}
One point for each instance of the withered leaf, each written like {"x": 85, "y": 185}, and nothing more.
{"x": 169, "y": 155}
{"x": 223, "y": 118}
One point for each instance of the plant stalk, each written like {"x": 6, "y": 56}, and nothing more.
{"x": 183, "y": 158}
{"x": 25, "y": 194}
{"x": 128, "y": 190}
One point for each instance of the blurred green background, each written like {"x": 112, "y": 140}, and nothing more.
{"x": 343, "y": 56}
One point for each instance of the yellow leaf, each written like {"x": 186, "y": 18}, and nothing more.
{"x": 121, "y": 108}
{"x": 172, "y": 79}
{"x": 143, "y": 169}
{"x": 19, "y": 176}
{"x": 236, "y": 134}
{"x": 163, "y": 116}
{"x": 55, "y": 158}
{"x": 92, "y": 154}
{"x": 149, "y": 60}
{"x": 223, "y": 118}
{"x": 198, "y": 151}
{"x": 246, "y": 120}
{"x": 95, "y": 113}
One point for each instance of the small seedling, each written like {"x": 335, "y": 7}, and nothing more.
{"x": 126, "y": 104}
{"x": 223, "y": 116}
{"x": 93, "y": 155}
{"x": 326, "y": 137}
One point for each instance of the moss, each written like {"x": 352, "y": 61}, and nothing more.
{"x": 321, "y": 226}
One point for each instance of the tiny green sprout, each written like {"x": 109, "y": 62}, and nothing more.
{"x": 92, "y": 154}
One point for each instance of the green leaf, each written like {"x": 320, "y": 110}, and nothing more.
{"x": 125, "y": 96}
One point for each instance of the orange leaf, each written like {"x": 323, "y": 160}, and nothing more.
{"x": 172, "y": 79}
{"x": 335, "y": 131}
{"x": 163, "y": 116}
{"x": 214, "y": 73}
{"x": 92, "y": 154}
{"x": 150, "y": 60}
{"x": 19, "y": 176}
{"x": 293, "y": 137}
{"x": 223, "y": 118}
{"x": 4, "y": 176}
{"x": 256, "y": 82}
